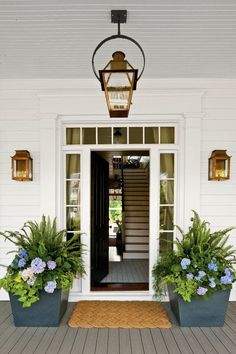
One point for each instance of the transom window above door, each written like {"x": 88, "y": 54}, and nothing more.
{"x": 120, "y": 135}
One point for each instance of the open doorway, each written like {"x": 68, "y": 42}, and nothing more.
{"x": 120, "y": 220}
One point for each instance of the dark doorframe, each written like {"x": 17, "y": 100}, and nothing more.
{"x": 99, "y": 218}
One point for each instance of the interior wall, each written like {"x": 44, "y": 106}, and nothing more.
{"x": 20, "y": 113}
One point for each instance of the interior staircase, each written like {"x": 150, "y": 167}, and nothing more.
{"x": 136, "y": 196}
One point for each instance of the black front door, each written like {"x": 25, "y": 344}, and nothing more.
{"x": 99, "y": 218}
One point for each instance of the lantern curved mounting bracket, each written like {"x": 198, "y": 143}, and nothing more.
{"x": 118, "y": 16}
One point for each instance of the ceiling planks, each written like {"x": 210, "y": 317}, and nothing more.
{"x": 56, "y": 38}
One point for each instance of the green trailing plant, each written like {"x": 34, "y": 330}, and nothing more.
{"x": 43, "y": 260}
{"x": 201, "y": 263}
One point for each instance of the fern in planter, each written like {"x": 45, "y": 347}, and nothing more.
{"x": 201, "y": 263}
{"x": 44, "y": 261}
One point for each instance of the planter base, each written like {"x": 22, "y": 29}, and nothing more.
{"x": 200, "y": 312}
{"x": 47, "y": 312}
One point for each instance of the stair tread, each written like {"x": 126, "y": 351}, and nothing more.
{"x": 136, "y": 243}
{"x": 136, "y": 251}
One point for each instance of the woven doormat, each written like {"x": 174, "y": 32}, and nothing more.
{"x": 119, "y": 314}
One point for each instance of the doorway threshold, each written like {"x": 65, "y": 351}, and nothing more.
{"x": 121, "y": 287}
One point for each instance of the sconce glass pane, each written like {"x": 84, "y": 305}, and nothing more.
{"x": 73, "y": 166}
{"x": 88, "y": 135}
{"x": 136, "y": 135}
{"x": 20, "y": 168}
{"x": 72, "y": 136}
{"x": 167, "y": 135}
{"x": 167, "y": 165}
{"x": 166, "y": 241}
{"x": 166, "y": 218}
{"x": 151, "y": 135}
{"x": 120, "y": 136}
{"x": 166, "y": 192}
{"x": 73, "y": 218}
{"x": 73, "y": 192}
{"x": 104, "y": 135}
{"x": 221, "y": 170}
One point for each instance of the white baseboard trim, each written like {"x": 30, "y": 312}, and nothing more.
{"x": 112, "y": 296}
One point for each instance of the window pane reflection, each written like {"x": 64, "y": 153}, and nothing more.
{"x": 166, "y": 218}
{"x": 72, "y": 166}
{"x": 89, "y": 135}
{"x": 72, "y": 192}
{"x": 120, "y": 136}
{"x": 166, "y": 241}
{"x": 151, "y": 135}
{"x": 166, "y": 192}
{"x": 73, "y": 136}
{"x": 73, "y": 218}
{"x": 167, "y": 165}
{"x": 136, "y": 135}
{"x": 104, "y": 135}
{"x": 167, "y": 135}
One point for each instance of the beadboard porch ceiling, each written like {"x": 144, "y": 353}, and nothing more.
{"x": 56, "y": 38}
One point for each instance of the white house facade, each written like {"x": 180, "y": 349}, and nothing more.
{"x": 34, "y": 115}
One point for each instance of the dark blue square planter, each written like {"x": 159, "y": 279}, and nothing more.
{"x": 200, "y": 312}
{"x": 47, "y": 312}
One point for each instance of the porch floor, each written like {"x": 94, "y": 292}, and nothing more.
{"x": 123, "y": 341}
{"x": 127, "y": 271}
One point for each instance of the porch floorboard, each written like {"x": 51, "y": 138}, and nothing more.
{"x": 121, "y": 341}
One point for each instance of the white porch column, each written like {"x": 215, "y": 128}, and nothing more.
{"x": 192, "y": 166}
{"x": 48, "y": 164}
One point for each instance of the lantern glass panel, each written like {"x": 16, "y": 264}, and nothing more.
{"x": 20, "y": 168}
{"x": 118, "y": 79}
{"x": 118, "y": 99}
{"x": 210, "y": 169}
{"x": 221, "y": 170}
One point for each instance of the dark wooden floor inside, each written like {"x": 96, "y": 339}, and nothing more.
{"x": 113, "y": 341}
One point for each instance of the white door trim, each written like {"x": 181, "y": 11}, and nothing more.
{"x": 51, "y": 173}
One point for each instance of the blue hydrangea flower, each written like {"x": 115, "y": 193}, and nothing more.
{"x": 185, "y": 263}
{"x": 51, "y": 286}
{"x": 189, "y": 276}
{"x": 22, "y": 254}
{"x": 227, "y": 272}
{"x": 37, "y": 265}
{"x": 226, "y": 279}
{"x": 201, "y": 290}
{"x": 201, "y": 274}
{"x": 31, "y": 280}
{"x": 212, "y": 284}
{"x": 21, "y": 263}
{"x": 51, "y": 265}
{"x": 212, "y": 266}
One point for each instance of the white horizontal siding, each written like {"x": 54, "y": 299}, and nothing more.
{"x": 19, "y": 130}
{"x": 218, "y": 198}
